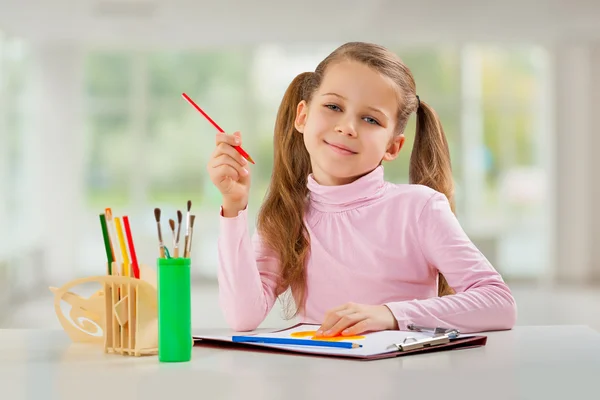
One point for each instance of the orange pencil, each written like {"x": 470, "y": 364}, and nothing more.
{"x": 238, "y": 148}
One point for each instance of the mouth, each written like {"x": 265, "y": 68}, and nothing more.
{"x": 340, "y": 148}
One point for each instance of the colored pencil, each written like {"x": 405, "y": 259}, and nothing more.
{"x": 134, "y": 263}
{"x": 238, "y": 148}
{"x": 123, "y": 247}
{"x": 107, "y": 244}
{"x": 294, "y": 342}
{"x": 112, "y": 234}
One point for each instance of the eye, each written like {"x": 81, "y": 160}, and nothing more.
{"x": 371, "y": 121}
{"x": 333, "y": 107}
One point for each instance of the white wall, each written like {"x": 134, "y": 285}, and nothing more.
{"x": 577, "y": 84}
{"x": 188, "y": 23}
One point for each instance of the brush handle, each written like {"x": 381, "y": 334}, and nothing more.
{"x": 185, "y": 246}
{"x": 188, "y": 250}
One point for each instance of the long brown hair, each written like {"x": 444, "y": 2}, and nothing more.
{"x": 281, "y": 217}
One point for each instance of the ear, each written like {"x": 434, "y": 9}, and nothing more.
{"x": 301, "y": 116}
{"x": 394, "y": 148}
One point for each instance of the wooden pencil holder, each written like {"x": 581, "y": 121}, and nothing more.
{"x": 122, "y": 315}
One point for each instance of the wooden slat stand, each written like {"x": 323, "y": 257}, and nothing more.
{"x": 123, "y": 315}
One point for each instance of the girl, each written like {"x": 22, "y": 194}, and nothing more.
{"x": 357, "y": 253}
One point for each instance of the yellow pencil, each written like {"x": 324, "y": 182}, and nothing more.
{"x": 123, "y": 247}
{"x": 113, "y": 240}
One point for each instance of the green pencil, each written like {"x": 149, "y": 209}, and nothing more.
{"x": 107, "y": 245}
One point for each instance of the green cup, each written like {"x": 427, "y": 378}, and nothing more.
{"x": 174, "y": 310}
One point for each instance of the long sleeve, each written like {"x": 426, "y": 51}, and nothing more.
{"x": 247, "y": 275}
{"x": 482, "y": 301}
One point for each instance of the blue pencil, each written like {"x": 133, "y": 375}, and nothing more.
{"x": 294, "y": 342}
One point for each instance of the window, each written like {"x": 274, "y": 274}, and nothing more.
{"x": 14, "y": 75}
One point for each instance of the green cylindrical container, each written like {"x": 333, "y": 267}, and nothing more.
{"x": 174, "y": 310}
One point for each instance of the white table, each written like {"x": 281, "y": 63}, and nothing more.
{"x": 546, "y": 362}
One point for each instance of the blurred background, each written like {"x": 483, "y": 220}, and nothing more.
{"x": 91, "y": 116}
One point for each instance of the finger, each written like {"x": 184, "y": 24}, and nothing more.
{"x": 232, "y": 140}
{"x": 336, "y": 320}
{"x": 225, "y": 159}
{"x": 225, "y": 172}
{"x": 344, "y": 323}
{"x": 358, "y": 328}
{"x": 331, "y": 318}
{"x": 224, "y": 148}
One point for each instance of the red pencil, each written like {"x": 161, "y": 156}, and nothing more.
{"x": 238, "y": 148}
{"x": 134, "y": 262}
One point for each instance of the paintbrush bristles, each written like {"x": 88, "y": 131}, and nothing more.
{"x": 179, "y": 219}
{"x": 160, "y": 240}
{"x": 176, "y": 230}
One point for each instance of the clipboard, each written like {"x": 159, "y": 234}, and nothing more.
{"x": 374, "y": 346}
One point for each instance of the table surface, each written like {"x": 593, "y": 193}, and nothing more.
{"x": 528, "y": 362}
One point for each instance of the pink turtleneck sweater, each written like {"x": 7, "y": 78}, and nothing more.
{"x": 372, "y": 242}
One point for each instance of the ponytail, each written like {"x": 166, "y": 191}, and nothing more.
{"x": 430, "y": 164}
{"x": 281, "y": 216}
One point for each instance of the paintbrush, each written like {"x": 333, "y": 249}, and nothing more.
{"x": 187, "y": 228}
{"x": 179, "y": 219}
{"x": 172, "y": 226}
{"x": 160, "y": 240}
{"x": 189, "y": 245}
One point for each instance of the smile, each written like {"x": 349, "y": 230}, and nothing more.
{"x": 340, "y": 148}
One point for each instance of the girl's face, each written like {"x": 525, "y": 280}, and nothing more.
{"x": 349, "y": 125}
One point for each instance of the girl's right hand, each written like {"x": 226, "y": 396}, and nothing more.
{"x": 229, "y": 173}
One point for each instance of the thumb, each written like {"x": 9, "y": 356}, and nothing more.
{"x": 227, "y": 185}
{"x": 245, "y": 180}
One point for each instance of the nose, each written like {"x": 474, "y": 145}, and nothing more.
{"x": 345, "y": 127}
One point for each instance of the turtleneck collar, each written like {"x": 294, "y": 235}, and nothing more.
{"x": 345, "y": 197}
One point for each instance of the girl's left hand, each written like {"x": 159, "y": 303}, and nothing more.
{"x": 353, "y": 319}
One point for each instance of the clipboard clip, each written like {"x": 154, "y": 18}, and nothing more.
{"x": 452, "y": 333}
{"x": 440, "y": 336}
